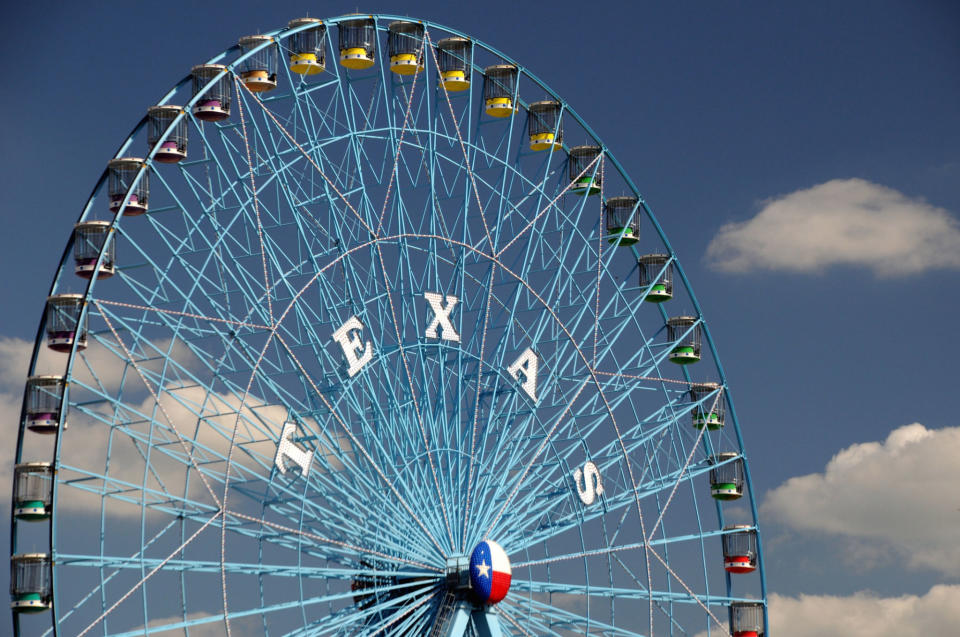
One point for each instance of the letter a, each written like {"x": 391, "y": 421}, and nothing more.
{"x": 286, "y": 450}
{"x": 441, "y": 317}
{"x": 526, "y": 364}
{"x": 356, "y": 351}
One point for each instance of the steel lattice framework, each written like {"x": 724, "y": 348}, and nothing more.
{"x": 363, "y": 326}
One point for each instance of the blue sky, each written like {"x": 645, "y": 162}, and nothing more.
{"x": 837, "y": 119}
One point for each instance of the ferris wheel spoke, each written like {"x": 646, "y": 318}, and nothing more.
{"x": 396, "y": 609}
{"x": 572, "y": 520}
{"x": 398, "y": 143}
{"x": 268, "y": 609}
{"x": 235, "y": 188}
{"x": 167, "y": 286}
{"x": 203, "y": 409}
{"x": 146, "y": 577}
{"x": 319, "y": 121}
{"x": 501, "y": 347}
{"x": 156, "y": 399}
{"x": 300, "y": 311}
{"x": 476, "y": 402}
{"x": 330, "y": 183}
{"x": 344, "y": 508}
{"x": 333, "y": 549}
{"x": 550, "y": 206}
{"x": 364, "y": 509}
{"x": 89, "y": 595}
{"x": 132, "y": 493}
{"x": 406, "y": 618}
{"x": 612, "y": 592}
{"x": 355, "y": 441}
{"x": 413, "y": 393}
{"x": 139, "y": 562}
{"x": 264, "y": 463}
{"x": 466, "y": 156}
{"x": 414, "y": 620}
{"x": 619, "y": 501}
{"x": 348, "y": 529}
{"x": 147, "y": 309}
{"x": 650, "y": 548}
{"x": 568, "y": 407}
{"x": 555, "y": 615}
{"x": 534, "y": 457}
{"x": 348, "y": 492}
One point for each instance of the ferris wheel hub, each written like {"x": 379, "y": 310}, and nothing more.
{"x": 489, "y": 572}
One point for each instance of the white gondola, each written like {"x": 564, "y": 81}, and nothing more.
{"x": 623, "y": 220}
{"x": 708, "y": 410}
{"x": 63, "y": 322}
{"x": 739, "y": 549}
{"x": 258, "y": 72}
{"x": 358, "y": 43}
{"x": 90, "y": 238}
{"x": 214, "y": 104}
{"x": 684, "y": 333}
{"x": 32, "y": 491}
{"x": 44, "y": 396}
{"x": 727, "y": 477}
{"x": 308, "y": 48}
{"x": 656, "y": 277}
{"x": 747, "y": 619}
{"x": 174, "y": 148}
{"x": 585, "y": 175}
{"x": 30, "y": 583}
{"x": 453, "y": 62}
{"x": 405, "y": 47}
{"x": 121, "y": 175}
{"x": 543, "y": 125}
{"x": 499, "y": 86}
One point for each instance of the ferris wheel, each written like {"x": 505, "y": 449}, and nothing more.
{"x": 364, "y": 331}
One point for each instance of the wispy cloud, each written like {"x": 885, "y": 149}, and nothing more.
{"x": 866, "y": 615}
{"x": 897, "y": 496}
{"x": 841, "y": 222}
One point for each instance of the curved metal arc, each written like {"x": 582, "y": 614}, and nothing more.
{"x": 685, "y": 283}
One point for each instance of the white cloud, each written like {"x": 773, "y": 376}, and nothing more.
{"x": 899, "y": 494}
{"x": 14, "y": 359}
{"x": 867, "y": 615}
{"x": 242, "y": 627}
{"x": 840, "y": 222}
{"x": 86, "y": 439}
{"x": 14, "y": 362}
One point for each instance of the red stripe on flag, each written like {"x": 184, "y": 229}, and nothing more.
{"x": 499, "y": 587}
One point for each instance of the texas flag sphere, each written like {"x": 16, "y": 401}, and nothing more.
{"x": 489, "y": 572}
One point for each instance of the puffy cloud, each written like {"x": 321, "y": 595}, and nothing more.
{"x": 14, "y": 362}
{"x": 867, "y": 615}
{"x": 206, "y": 421}
{"x": 840, "y": 222}
{"x": 898, "y": 494}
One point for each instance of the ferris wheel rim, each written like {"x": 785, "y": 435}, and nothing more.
{"x": 233, "y": 65}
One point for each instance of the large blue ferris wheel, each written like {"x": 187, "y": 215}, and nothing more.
{"x": 373, "y": 335}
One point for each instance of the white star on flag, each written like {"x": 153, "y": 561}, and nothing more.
{"x": 484, "y": 569}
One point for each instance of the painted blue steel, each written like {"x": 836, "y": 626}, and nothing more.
{"x": 181, "y": 261}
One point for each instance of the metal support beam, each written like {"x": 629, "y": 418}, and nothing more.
{"x": 486, "y": 622}
{"x": 459, "y": 620}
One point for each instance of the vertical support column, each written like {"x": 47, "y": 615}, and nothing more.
{"x": 459, "y": 620}
{"x": 486, "y": 622}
